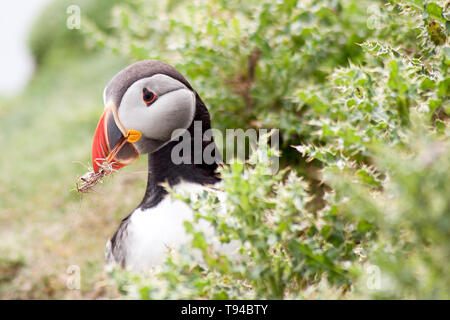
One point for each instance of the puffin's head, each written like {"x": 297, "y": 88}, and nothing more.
{"x": 144, "y": 104}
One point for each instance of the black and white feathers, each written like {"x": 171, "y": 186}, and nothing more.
{"x": 156, "y": 225}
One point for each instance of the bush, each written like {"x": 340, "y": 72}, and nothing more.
{"x": 50, "y": 34}
{"x": 361, "y": 90}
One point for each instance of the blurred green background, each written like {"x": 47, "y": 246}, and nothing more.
{"x": 45, "y": 225}
{"x": 359, "y": 88}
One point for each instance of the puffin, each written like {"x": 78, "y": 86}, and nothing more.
{"x": 145, "y": 105}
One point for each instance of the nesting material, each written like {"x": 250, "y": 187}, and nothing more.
{"x": 91, "y": 178}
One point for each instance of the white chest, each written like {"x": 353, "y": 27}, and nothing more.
{"x": 152, "y": 232}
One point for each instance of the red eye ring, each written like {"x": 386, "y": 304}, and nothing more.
{"x": 148, "y": 96}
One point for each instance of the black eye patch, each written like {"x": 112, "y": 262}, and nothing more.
{"x": 148, "y": 96}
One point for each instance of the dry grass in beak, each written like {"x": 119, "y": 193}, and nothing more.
{"x": 91, "y": 178}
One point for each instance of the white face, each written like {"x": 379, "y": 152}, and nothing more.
{"x": 174, "y": 108}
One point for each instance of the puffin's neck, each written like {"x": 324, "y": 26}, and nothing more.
{"x": 161, "y": 168}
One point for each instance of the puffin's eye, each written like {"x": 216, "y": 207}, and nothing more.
{"x": 148, "y": 96}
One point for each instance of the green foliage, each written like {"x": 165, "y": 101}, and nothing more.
{"x": 50, "y": 39}
{"x": 243, "y": 57}
{"x": 361, "y": 89}
{"x": 45, "y": 226}
{"x": 285, "y": 246}
{"x": 9, "y": 268}
{"x": 411, "y": 212}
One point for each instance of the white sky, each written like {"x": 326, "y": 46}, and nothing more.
{"x": 16, "y": 63}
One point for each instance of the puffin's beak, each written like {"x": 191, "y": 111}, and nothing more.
{"x": 112, "y": 143}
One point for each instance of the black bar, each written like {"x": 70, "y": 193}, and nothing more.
{"x": 223, "y": 309}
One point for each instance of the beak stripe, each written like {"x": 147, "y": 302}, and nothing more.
{"x": 107, "y": 151}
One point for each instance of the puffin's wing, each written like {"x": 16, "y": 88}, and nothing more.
{"x": 115, "y": 252}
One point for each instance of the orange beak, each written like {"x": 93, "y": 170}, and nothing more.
{"x": 113, "y": 144}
